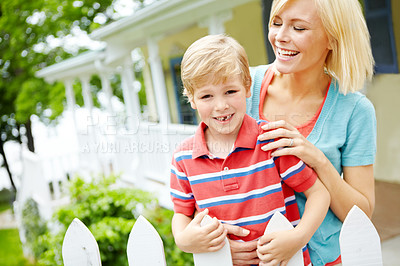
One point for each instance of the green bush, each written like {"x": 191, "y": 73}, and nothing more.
{"x": 109, "y": 212}
{"x": 34, "y": 226}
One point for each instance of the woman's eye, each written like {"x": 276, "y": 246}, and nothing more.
{"x": 299, "y": 28}
{"x": 276, "y": 24}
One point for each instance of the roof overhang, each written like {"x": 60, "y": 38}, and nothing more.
{"x": 158, "y": 19}
{"x": 84, "y": 64}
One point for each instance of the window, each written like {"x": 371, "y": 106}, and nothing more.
{"x": 378, "y": 14}
{"x": 185, "y": 112}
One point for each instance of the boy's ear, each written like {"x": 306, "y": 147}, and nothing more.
{"x": 192, "y": 104}
{"x": 248, "y": 93}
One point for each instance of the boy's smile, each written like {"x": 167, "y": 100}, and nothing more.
{"x": 221, "y": 106}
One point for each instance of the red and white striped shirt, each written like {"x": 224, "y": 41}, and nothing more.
{"x": 244, "y": 189}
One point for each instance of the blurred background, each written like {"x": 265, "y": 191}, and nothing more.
{"x": 91, "y": 97}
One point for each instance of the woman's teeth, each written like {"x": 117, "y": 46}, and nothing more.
{"x": 286, "y": 52}
{"x": 223, "y": 118}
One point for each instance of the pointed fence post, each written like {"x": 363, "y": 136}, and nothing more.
{"x": 221, "y": 257}
{"x": 277, "y": 223}
{"x": 359, "y": 241}
{"x": 79, "y": 246}
{"x": 145, "y": 246}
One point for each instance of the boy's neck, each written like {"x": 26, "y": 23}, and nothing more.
{"x": 218, "y": 144}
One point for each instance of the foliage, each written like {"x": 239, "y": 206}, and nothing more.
{"x": 6, "y": 195}
{"x": 11, "y": 249}
{"x": 34, "y": 226}
{"x": 110, "y": 211}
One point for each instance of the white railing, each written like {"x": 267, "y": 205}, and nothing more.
{"x": 142, "y": 157}
{"x": 359, "y": 244}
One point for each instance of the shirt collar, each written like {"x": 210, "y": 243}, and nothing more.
{"x": 247, "y": 137}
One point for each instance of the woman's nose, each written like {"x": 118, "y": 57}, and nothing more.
{"x": 282, "y": 34}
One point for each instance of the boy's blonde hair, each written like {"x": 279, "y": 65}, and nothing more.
{"x": 213, "y": 59}
{"x": 350, "y": 61}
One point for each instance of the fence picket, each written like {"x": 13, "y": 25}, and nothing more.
{"x": 221, "y": 257}
{"x": 79, "y": 246}
{"x": 359, "y": 241}
{"x": 277, "y": 223}
{"x": 145, "y": 246}
{"x": 359, "y": 244}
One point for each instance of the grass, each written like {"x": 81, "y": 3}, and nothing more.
{"x": 10, "y": 245}
{"x": 11, "y": 249}
{"x": 4, "y": 206}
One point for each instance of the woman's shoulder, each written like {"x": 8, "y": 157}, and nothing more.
{"x": 354, "y": 101}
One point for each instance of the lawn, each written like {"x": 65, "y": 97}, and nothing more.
{"x": 10, "y": 245}
{"x": 11, "y": 249}
{"x": 4, "y": 206}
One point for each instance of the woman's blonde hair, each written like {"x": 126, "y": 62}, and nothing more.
{"x": 213, "y": 59}
{"x": 350, "y": 61}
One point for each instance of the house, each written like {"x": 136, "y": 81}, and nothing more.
{"x": 141, "y": 147}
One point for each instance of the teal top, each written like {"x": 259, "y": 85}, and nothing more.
{"x": 346, "y": 133}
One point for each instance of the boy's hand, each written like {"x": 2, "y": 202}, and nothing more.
{"x": 243, "y": 253}
{"x": 198, "y": 239}
{"x": 278, "y": 247}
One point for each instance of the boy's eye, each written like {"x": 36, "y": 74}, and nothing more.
{"x": 205, "y": 96}
{"x": 231, "y": 91}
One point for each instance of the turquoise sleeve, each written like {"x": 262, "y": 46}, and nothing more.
{"x": 360, "y": 146}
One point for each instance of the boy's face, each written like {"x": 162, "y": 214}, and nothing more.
{"x": 222, "y": 107}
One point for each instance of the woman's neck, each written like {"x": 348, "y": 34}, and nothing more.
{"x": 304, "y": 85}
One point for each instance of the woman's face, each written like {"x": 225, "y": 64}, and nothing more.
{"x": 298, "y": 38}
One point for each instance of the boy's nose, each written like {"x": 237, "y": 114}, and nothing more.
{"x": 221, "y": 105}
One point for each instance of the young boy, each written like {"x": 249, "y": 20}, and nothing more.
{"x": 222, "y": 171}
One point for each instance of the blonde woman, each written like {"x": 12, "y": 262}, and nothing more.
{"x": 309, "y": 96}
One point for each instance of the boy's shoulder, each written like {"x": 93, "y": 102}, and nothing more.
{"x": 186, "y": 145}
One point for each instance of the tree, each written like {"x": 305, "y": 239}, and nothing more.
{"x": 32, "y": 34}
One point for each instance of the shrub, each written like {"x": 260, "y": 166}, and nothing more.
{"x": 110, "y": 212}
{"x": 34, "y": 226}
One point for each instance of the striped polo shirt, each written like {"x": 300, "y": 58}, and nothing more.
{"x": 244, "y": 189}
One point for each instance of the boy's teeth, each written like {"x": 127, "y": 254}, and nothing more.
{"x": 223, "y": 118}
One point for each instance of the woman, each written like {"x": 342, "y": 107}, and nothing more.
{"x": 309, "y": 96}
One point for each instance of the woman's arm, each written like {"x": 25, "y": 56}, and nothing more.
{"x": 281, "y": 246}
{"x": 357, "y": 185}
{"x": 356, "y": 188}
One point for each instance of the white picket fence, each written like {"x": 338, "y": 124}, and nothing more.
{"x": 359, "y": 244}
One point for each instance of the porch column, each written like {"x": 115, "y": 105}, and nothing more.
{"x": 215, "y": 22}
{"x": 131, "y": 97}
{"x": 70, "y": 95}
{"x": 87, "y": 95}
{"x": 160, "y": 90}
{"x": 106, "y": 87}
{"x": 88, "y": 101}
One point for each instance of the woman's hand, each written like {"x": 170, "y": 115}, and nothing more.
{"x": 243, "y": 253}
{"x": 289, "y": 141}
{"x": 355, "y": 188}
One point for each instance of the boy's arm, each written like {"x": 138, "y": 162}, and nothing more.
{"x": 281, "y": 246}
{"x": 191, "y": 237}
